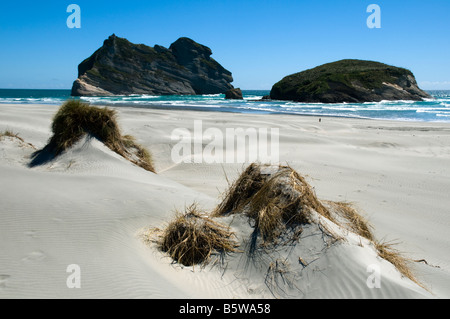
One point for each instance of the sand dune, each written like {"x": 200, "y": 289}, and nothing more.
{"x": 90, "y": 207}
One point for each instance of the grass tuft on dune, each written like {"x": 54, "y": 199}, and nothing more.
{"x": 11, "y": 134}
{"x": 276, "y": 197}
{"x": 388, "y": 252}
{"x": 279, "y": 202}
{"x": 8, "y": 133}
{"x": 74, "y": 119}
{"x": 192, "y": 237}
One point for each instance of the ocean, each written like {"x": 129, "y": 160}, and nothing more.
{"x": 431, "y": 110}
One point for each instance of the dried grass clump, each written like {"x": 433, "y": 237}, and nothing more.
{"x": 192, "y": 237}
{"x": 395, "y": 257}
{"x": 139, "y": 155}
{"x": 359, "y": 225}
{"x": 75, "y": 119}
{"x": 276, "y": 197}
{"x": 241, "y": 191}
{"x": 11, "y": 134}
{"x": 8, "y": 133}
{"x": 354, "y": 221}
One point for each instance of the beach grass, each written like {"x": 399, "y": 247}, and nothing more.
{"x": 387, "y": 251}
{"x": 8, "y": 133}
{"x": 275, "y": 197}
{"x": 278, "y": 198}
{"x": 75, "y": 119}
{"x": 193, "y": 237}
{"x": 11, "y": 134}
{"x": 354, "y": 220}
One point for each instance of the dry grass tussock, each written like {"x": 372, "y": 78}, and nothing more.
{"x": 8, "y": 133}
{"x": 395, "y": 257}
{"x": 353, "y": 220}
{"x": 276, "y": 197}
{"x": 75, "y": 119}
{"x": 192, "y": 238}
{"x": 280, "y": 202}
{"x": 11, "y": 134}
{"x": 386, "y": 250}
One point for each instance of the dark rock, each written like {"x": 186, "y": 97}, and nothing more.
{"x": 120, "y": 67}
{"x": 234, "y": 94}
{"x": 352, "y": 81}
{"x": 266, "y": 97}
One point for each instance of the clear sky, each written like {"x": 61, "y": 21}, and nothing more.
{"x": 260, "y": 41}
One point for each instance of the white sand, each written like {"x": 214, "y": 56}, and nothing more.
{"x": 89, "y": 206}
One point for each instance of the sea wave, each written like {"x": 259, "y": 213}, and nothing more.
{"x": 435, "y": 109}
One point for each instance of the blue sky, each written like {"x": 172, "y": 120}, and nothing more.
{"x": 260, "y": 42}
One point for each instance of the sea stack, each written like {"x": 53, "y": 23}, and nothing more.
{"x": 234, "y": 94}
{"x": 349, "y": 81}
{"x": 120, "y": 67}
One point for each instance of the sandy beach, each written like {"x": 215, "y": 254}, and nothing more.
{"x": 90, "y": 207}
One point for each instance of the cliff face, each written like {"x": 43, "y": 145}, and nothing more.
{"x": 352, "y": 81}
{"x": 120, "y": 67}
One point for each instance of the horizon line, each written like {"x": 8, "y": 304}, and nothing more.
{"x": 69, "y": 89}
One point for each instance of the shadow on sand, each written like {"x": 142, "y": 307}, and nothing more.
{"x": 43, "y": 156}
